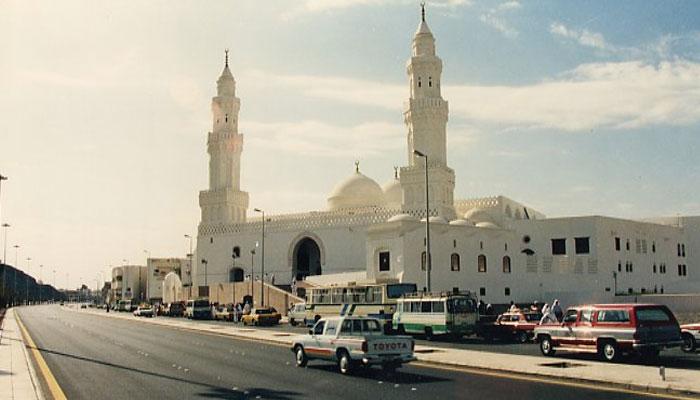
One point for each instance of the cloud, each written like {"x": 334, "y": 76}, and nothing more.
{"x": 616, "y": 95}
{"x": 583, "y": 37}
{"x": 494, "y": 18}
{"x": 320, "y": 139}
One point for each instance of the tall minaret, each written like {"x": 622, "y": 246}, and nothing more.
{"x": 426, "y": 119}
{"x": 224, "y": 202}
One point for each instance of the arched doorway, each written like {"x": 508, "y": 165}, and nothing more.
{"x": 235, "y": 275}
{"x": 306, "y": 259}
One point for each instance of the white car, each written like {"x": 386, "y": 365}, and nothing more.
{"x": 144, "y": 311}
{"x": 297, "y": 314}
{"x": 352, "y": 342}
{"x": 691, "y": 337}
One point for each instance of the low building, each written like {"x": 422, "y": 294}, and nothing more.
{"x": 129, "y": 283}
{"x": 158, "y": 268}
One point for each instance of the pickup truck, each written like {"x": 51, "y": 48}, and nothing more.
{"x": 351, "y": 342}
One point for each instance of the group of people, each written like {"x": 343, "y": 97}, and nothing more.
{"x": 238, "y": 310}
{"x": 550, "y": 313}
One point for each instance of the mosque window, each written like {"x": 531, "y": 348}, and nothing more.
{"x": 454, "y": 261}
{"x": 430, "y": 81}
{"x": 482, "y": 291}
{"x": 226, "y": 117}
{"x": 507, "y": 291}
{"x": 236, "y": 252}
{"x": 683, "y": 249}
{"x": 481, "y": 263}
{"x": 680, "y": 270}
{"x": 454, "y": 243}
{"x": 506, "y": 265}
{"x": 653, "y": 247}
{"x": 558, "y": 247}
{"x": 653, "y": 269}
{"x": 384, "y": 260}
{"x": 619, "y": 266}
{"x": 211, "y": 240}
{"x": 419, "y": 82}
{"x": 422, "y": 261}
{"x": 628, "y": 245}
{"x": 679, "y": 249}
{"x": 505, "y": 247}
{"x": 582, "y": 245}
{"x": 617, "y": 243}
{"x": 481, "y": 245}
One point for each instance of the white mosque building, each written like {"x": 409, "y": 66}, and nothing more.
{"x": 499, "y": 248}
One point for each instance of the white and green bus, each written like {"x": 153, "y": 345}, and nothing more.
{"x": 377, "y": 300}
{"x": 432, "y": 314}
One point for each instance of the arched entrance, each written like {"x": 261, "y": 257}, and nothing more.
{"x": 235, "y": 275}
{"x": 306, "y": 259}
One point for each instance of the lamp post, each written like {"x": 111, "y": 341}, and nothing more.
{"x": 262, "y": 262}
{"x": 252, "y": 273}
{"x": 205, "y": 262}
{"x": 615, "y": 283}
{"x": 189, "y": 257}
{"x": 428, "y": 261}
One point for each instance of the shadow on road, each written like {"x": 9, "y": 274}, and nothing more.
{"x": 376, "y": 374}
{"x": 689, "y": 361}
{"x": 221, "y": 393}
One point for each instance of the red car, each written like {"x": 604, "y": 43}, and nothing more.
{"x": 691, "y": 336}
{"x": 612, "y": 329}
{"x": 516, "y": 325}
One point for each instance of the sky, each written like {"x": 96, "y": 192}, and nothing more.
{"x": 572, "y": 108}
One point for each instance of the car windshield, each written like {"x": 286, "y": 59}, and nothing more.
{"x": 461, "y": 305}
{"x": 201, "y": 303}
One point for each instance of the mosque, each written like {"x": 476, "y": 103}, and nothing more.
{"x": 497, "y": 247}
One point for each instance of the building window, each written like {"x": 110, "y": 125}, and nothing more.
{"x": 505, "y": 247}
{"x": 507, "y": 291}
{"x": 582, "y": 245}
{"x": 680, "y": 270}
{"x": 683, "y": 249}
{"x": 617, "y": 243}
{"x": 430, "y": 81}
{"x": 506, "y": 265}
{"x": 454, "y": 244}
{"x": 631, "y": 267}
{"x": 236, "y": 252}
{"x": 454, "y": 261}
{"x": 558, "y": 247}
{"x": 481, "y": 263}
{"x": 653, "y": 269}
{"x": 653, "y": 247}
{"x": 481, "y": 245}
{"x": 628, "y": 245}
{"x": 211, "y": 240}
{"x": 679, "y": 249}
{"x": 384, "y": 259}
{"x": 482, "y": 291}
{"x": 422, "y": 261}
{"x": 685, "y": 270}
{"x": 226, "y": 119}
{"x": 419, "y": 82}
{"x": 619, "y": 266}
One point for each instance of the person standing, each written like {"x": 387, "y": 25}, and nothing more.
{"x": 558, "y": 312}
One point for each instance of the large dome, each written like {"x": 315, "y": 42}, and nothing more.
{"x": 393, "y": 193}
{"x": 357, "y": 191}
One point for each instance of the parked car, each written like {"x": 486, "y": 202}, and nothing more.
{"x": 297, "y": 314}
{"x": 144, "y": 310}
{"x": 262, "y": 316}
{"x": 516, "y": 325}
{"x": 691, "y": 336}
{"x": 175, "y": 309}
{"x": 612, "y": 329}
{"x": 198, "y": 309}
{"x": 224, "y": 312}
{"x": 351, "y": 342}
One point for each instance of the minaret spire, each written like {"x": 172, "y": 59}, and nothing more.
{"x": 422, "y": 11}
{"x": 226, "y": 64}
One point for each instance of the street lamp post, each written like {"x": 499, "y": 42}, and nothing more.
{"x": 190, "y": 256}
{"x": 252, "y": 274}
{"x": 262, "y": 262}
{"x": 428, "y": 261}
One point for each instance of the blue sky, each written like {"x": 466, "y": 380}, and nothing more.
{"x": 573, "y": 108}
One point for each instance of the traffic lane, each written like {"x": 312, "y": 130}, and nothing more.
{"x": 104, "y": 358}
{"x": 670, "y": 358}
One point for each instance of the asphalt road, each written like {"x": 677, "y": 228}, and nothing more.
{"x": 672, "y": 358}
{"x": 96, "y": 357}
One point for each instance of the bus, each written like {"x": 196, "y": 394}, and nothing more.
{"x": 376, "y": 300}
{"x": 430, "y": 314}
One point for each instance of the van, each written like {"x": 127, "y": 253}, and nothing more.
{"x": 198, "y": 309}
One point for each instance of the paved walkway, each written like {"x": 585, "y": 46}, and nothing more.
{"x": 636, "y": 377}
{"x": 16, "y": 381}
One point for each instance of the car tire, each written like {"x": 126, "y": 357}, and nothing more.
{"x": 608, "y": 351}
{"x": 546, "y": 346}
{"x": 345, "y": 363}
{"x": 522, "y": 337}
{"x": 689, "y": 345}
{"x": 300, "y": 356}
{"x": 292, "y": 322}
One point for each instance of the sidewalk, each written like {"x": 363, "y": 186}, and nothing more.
{"x": 634, "y": 377}
{"x": 15, "y": 374}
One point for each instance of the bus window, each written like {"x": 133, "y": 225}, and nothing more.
{"x": 425, "y": 306}
{"x": 415, "y": 306}
{"x": 396, "y": 290}
{"x": 460, "y": 305}
{"x": 438, "y": 307}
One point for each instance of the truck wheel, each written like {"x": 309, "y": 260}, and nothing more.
{"x": 345, "y": 363}
{"x": 522, "y": 337}
{"x": 688, "y": 343}
{"x": 546, "y": 346}
{"x": 608, "y": 351}
{"x": 300, "y": 355}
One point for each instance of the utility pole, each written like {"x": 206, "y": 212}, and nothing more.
{"x": 428, "y": 259}
{"x": 262, "y": 262}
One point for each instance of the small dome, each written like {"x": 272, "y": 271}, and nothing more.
{"x": 477, "y": 215}
{"x": 461, "y": 222}
{"x": 402, "y": 217}
{"x": 393, "y": 193}
{"x": 489, "y": 225}
{"x": 357, "y": 191}
{"x": 436, "y": 220}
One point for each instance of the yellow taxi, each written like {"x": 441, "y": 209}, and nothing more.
{"x": 262, "y": 316}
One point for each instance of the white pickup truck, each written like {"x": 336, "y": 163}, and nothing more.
{"x": 351, "y": 342}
